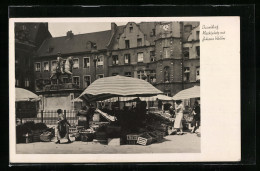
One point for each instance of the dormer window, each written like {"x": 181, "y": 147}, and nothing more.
{"x": 131, "y": 29}
{"x": 50, "y": 49}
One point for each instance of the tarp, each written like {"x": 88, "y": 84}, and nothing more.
{"x": 22, "y": 95}
{"x": 193, "y": 92}
{"x": 118, "y": 86}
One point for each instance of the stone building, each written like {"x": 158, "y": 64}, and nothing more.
{"x": 166, "y": 54}
{"x": 28, "y": 38}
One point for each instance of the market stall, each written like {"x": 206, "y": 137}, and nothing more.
{"x": 130, "y": 125}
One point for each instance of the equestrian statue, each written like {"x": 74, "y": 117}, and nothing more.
{"x": 63, "y": 68}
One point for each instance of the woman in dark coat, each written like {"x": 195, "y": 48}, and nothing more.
{"x": 196, "y": 117}
{"x": 63, "y": 127}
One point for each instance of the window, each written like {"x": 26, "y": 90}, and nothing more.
{"x": 187, "y": 28}
{"x": 128, "y": 74}
{"x": 166, "y": 52}
{"x": 100, "y": 61}
{"x": 153, "y": 32}
{"x": 152, "y": 56}
{"x": 166, "y": 74}
{"x": 86, "y": 62}
{"x": 186, "y": 74}
{"x": 152, "y": 76}
{"x": 115, "y": 59}
{"x": 127, "y": 58}
{"x": 100, "y": 76}
{"x": 139, "y": 42}
{"x": 186, "y": 52}
{"x": 46, "y": 66}
{"x": 197, "y": 73}
{"x": 76, "y": 63}
{"x": 38, "y": 66}
{"x": 197, "y": 35}
{"x": 65, "y": 80}
{"x": 140, "y": 57}
{"x": 26, "y": 82}
{"x": 127, "y": 44}
{"x": 53, "y": 65}
{"x": 141, "y": 75}
{"x": 87, "y": 81}
{"x": 76, "y": 80}
{"x": 16, "y": 82}
{"x": 130, "y": 29}
{"x": 198, "y": 50}
{"x": 114, "y": 74}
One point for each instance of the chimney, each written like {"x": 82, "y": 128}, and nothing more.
{"x": 113, "y": 27}
{"x": 69, "y": 34}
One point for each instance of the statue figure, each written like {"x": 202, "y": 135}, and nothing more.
{"x": 63, "y": 68}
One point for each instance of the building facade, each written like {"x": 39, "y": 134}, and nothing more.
{"x": 166, "y": 54}
{"x": 28, "y": 38}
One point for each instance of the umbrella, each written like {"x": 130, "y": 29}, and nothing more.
{"x": 25, "y": 95}
{"x": 159, "y": 97}
{"x": 118, "y": 86}
{"x": 188, "y": 93}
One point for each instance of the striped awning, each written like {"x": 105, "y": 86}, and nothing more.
{"x": 193, "y": 92}
{"x": 25, "y": 95}
{"x": 118, "y": 86}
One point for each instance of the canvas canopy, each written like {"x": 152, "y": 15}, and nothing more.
{"x": 193, "y": 92}
{"x": 118, "y": 86}
{"x": 25, "y": 95}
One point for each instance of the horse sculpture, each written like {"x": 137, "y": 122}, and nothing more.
{"x": 63, "y": 68}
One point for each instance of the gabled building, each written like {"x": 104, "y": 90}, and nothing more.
{"x": 166, "y": 54}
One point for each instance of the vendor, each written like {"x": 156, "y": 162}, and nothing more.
{"x": 63, "y": 127}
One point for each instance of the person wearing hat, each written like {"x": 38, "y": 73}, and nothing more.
{"x": 179, "y": 115}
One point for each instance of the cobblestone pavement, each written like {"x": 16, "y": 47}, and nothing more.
{"x": 187, "y": 143}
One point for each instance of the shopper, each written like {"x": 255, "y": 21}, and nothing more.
{"x": 179, "y": 115}
{"x": 196, "y": 116}
{"x": 63, "y": 127}
{"x": 82, "y": 114}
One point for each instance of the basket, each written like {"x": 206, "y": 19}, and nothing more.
{"x": 72, "y": 130}
{"x": 46, "y": 136}
{"x": 86, "y": 137}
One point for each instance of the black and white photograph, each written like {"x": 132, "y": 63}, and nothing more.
{"x": 121, "y": 89}
{"x": 107, "y": 87}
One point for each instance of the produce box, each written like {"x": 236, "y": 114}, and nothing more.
{"x": 133, "y": 136}
{"x": 131, "y": 142}
{"x": 144, "y": 141}
{"x": 114, "y": 141}
{"x": 36, "y": 135}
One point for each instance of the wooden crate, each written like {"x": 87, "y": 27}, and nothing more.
{"x": 133, "y": 136}
{"x": 144, "y": 141}
{"x": 131, "y": 142}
